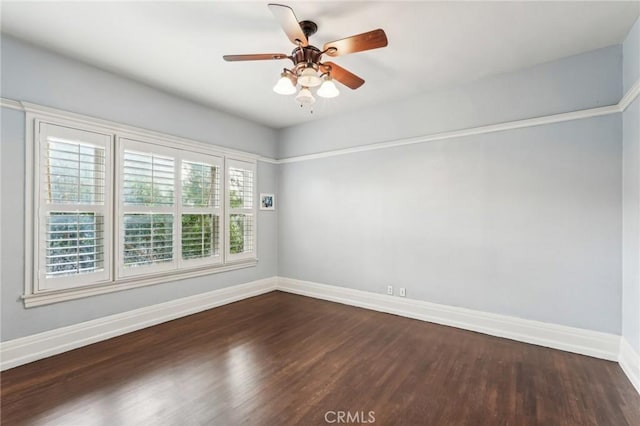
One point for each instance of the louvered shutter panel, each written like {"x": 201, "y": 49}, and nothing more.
{"x": 200, "y": 210}
{"x": 241, "y": 215}
{"x": 75, "y": 217}
{"x": 148, "y": 195}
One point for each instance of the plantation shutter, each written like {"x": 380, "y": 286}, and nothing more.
{"x": 147, "y": 204}
{"x": 74, "y": 218}
{"x": 109, "y": 208}
{"x": 241, "y": 210}
{"x": 200, "y": 209}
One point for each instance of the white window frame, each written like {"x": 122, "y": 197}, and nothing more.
{"x": 43, "y": 130}
{"x": 116, "y": 280}
{"x": 240, "y": 164}
{"x": 145, "y": 148}
{"x": 216, "y": 211}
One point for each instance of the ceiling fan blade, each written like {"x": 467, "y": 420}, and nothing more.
{"x": 256, "y": 57}
{"x": 340, "y": 74}
{"x": 357, "y": 43}
{"x": 289, "y": 23}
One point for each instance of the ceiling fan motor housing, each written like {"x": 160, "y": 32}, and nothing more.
{"x": 306, "y": 55}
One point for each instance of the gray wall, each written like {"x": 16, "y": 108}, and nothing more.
{"x": 631, "y": 55}
{"x": 38, "y": 76}
{"x": 524, "y": 222}
{"x": 631, "y": 226}
{"x": 631, "y": 196}
{"x": 579, "y": 82}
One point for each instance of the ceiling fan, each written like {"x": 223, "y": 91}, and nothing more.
{"x": 308, "y": 71}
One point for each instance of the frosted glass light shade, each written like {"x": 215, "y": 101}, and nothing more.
{"x": 309, "y": 78}
{"x": 305, "y": 97}
{"x": 284, "y": 86}
{"x": 328, "y": 89}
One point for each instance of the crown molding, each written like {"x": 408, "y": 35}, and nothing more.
{"x": 110, "y": 126}
{"x": 621, "y": 106}
{"x": 492, "y": 128}
{"x": 630, "y": 96}
{"x": 11, "y": 104}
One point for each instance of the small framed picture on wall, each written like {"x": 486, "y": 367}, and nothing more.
{"x": 267, "y": 202}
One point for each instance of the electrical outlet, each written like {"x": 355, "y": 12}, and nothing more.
{"x": 390, "y": 289}
{"x": 403, "y": 292}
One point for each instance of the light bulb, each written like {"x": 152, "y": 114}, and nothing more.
{"x": 328, "y": 89}
{"x": 284, "y": 86}
{"x": 305, "y": 97}
{"x": 309, "y": 78}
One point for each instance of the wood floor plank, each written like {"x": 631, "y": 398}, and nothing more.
{"x": 281, "y": 359}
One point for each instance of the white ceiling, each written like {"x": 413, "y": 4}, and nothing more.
{"x": 178, "y": 46}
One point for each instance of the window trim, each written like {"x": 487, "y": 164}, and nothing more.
{"x": 34, "y": 114}
{"x": 217, "y": 161}
{"x": 122, "y": 272}
{"x": 228, "y": 210}
{"x": 67, "y": 282}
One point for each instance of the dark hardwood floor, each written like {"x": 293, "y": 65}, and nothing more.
{"x": 281, "y": 359}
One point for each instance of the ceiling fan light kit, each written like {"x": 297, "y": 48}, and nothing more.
{"x": 309, "y": 77}
{"x": 305, "y": 97}
{"x": 286, "y": 84}
{"x": 308, "y": 71}
{"x": 328, "y": 89}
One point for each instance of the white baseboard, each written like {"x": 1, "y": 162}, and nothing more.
{"x": 31, "y": 348}
{"x": 630, "y": 362}
{"x": 599, "y": 345}
{"x": 570, "y": 339}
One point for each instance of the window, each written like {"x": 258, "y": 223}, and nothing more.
{"x": 170, "y": 208}
{"x": 200, "y": 219}
{"x": 241, "y": 209}
{"x": 117, "y": 211}
{"x": 148, "y": 208}
{"x": 74, "y": 201}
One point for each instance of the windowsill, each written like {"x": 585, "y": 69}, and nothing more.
{"x": 55, "y": 296}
